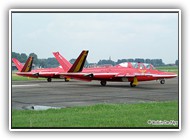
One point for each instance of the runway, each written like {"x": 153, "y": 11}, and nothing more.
{"x": 78, "y": 93}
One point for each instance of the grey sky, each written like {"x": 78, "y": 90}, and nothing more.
{"x": 119, "y": 35}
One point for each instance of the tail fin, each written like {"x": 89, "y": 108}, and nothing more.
{"x": 66, "y": 65}
{"x": 18, "y": 64}
{"x": 79, "y": 63}
{"x": 28, "y": 65}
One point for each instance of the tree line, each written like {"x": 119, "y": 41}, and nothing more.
{"x": 52, "y": 62}
{"x": 42, "y": 63}
{"x": 155, "y": 62}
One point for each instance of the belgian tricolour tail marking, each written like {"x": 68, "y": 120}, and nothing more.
{"x": 27, "y": 66}
{"x": 79, "y": 63}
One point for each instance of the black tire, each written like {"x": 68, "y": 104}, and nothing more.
{"x": 162, "y": 81}
{"x": 103, "y": 83}
{"x": 49, "y": 79}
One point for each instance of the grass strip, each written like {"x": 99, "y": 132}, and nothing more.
{"x": 100, "y": 115}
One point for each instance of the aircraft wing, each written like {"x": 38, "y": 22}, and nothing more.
{"x": 89, "y": 76}
{"x": 106, "y": 76}
{"x": 159, "y": 76}
{"x": 28, "y": 74}
{"x": 38, "y": 74}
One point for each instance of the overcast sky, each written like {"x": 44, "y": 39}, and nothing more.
{"x": 115, "y": 35}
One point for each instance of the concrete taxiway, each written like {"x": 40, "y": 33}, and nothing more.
{"x": 78, "y": 93}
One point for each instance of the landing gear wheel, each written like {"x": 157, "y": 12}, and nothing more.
{"x": 66, "y": 80}
{"x": 162, "y": 81}
{"x": 103, "y": 83}
{"x": 131, "y": 84}
{"x": 49, "y": 79}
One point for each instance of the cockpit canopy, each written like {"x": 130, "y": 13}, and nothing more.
{"x": 149, "y": 66}
{"x": 137, "y": 65}
{"x": 124, "y": 64}
{"x": 134, "y": 65}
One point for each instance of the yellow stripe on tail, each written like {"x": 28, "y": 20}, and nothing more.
{"x": 28, "y": 65}
{"x": 79, "y": 63}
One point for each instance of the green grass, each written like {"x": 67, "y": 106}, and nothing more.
{"x": 168, "y": 69}
{"x": 101, "y": 115}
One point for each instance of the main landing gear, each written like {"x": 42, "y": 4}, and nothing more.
{"x": 49, "y": 79}
{"x": 162, "y": 81}
{"x": 132, "y": 85}
{"x": 103, "y": 83}
{"x": 67, "y": 79}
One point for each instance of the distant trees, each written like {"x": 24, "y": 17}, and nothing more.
{"x": 21, "y": 57}
{"x": 48, "y": 63}
{"x": 102, "y": 62}
{"x": 35, "y": 60}
{"x": 147, "y": 61}
{"x": 177, "y": 62}
{"x": 155, "y": 62}
{"x": 72, "y": 61}
{"x": 42, "y": 63}
{"x": 124, "y": 60}
{"x": 121, "y": 61}
{"x": 140, "y": 60}
{"x": 52, "y": 62}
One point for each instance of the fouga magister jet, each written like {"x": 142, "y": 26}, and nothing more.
{"x": 27, "y": 71}
{"x": 48, "y": 73}
{"x": 125, "y": 72}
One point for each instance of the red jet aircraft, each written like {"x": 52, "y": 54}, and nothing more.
{"x": 125, "y": 72}
{"x": 49, "y": 73}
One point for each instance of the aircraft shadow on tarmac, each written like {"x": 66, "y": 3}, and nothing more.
{"x": 142, "y": 87}
{"x": 153, "y": 86}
